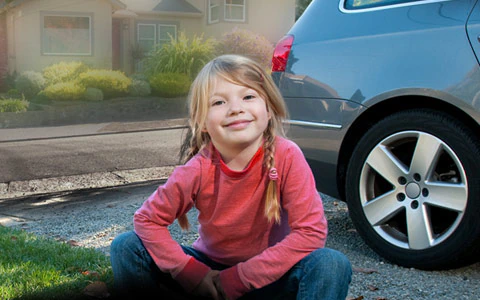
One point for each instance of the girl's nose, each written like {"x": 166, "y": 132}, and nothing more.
{"x": 236, "y": 106}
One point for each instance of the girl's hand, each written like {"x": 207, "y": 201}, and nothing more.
{"x": 207, "y": 288}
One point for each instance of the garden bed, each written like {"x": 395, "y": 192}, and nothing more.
{"x": 125, "y": 109}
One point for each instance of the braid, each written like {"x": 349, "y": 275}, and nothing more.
{"x": 188, "y": 150}
{"x": 272, "y": 205}
{"x": 189, "y": 146}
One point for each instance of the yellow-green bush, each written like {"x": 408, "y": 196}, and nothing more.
{"x": 13, "y": 105}
{"x": 65, "y": 91}
{"x": 170, "y": 84}
{"x": 183, "y": 55}
{"x": 112, "y": 83}
{"x": 63, "y": 72}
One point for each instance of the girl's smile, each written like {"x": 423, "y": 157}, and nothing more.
{"x": 238, "y": 125}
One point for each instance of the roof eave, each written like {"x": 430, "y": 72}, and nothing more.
{"x": 118, "y": 4}
{"x": 170, "y": 14}
{"x": 5, "y": 6}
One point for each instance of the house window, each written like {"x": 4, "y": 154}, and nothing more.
{"x": 213, "y": 11}
{"x": 234, "y": 10}
{"x": 150, "y": 36}
{"x": 166, "y": 33}
{"x": 146, "y": 34}
{"x": 66, "y": 34}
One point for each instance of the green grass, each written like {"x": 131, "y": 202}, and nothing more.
{"x": 34, "y": 267}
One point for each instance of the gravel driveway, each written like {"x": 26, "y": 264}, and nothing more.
{"x": 93, "y": 218}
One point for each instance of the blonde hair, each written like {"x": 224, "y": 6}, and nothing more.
{"x": 242, "y": 71}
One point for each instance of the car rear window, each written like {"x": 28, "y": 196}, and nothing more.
{"x": 363, "y": 4}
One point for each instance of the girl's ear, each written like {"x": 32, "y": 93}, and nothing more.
{"x": 269, "y": 111}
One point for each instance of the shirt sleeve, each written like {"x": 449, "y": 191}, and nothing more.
{"x": 308, "y": 229}
{"x": 151, "y": 221}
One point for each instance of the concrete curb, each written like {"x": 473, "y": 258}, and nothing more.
{"x": 37, "y": 187}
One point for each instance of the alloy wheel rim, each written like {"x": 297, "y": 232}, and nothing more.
{"x": 413, "y": 190}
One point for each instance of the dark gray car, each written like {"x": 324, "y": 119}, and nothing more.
{"x": 384, "y": 101}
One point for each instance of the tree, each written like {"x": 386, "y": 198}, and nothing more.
{"x": 300, "y": 7}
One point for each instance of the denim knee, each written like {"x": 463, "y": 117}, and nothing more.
{"x": 121, "y": 241}
{"x": 325, "y": 274}
{"x": 334, "y": 261}
{"x": 127, "y": 251}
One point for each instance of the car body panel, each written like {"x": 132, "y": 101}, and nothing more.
{"x": 336, "y": 90}
{"x": 473, "y": 29}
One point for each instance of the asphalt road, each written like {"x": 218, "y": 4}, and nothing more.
{"x": 37, "y": 158}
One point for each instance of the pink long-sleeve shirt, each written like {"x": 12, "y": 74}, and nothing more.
{"x": 233, "y": 229}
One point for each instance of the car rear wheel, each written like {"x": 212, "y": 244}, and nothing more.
{"x": 413, "y": 190}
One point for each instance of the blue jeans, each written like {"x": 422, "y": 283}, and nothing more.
{"x": 323, "y": 274}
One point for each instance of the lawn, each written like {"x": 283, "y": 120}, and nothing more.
{"x": 34, "y": 267}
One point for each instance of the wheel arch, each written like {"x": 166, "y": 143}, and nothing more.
{"x": 380, "y": 110}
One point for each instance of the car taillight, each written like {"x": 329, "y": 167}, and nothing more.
{"x": 281, "y": 52}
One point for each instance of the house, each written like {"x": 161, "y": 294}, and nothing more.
{"x": 110, "y": 33}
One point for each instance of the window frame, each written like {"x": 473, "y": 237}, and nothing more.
{"x": 244, "y": 12}
{"x": 342, "y": 5}
{"x": 210, "y": 7}
{"x": 43, "y": 43}
{"x": 159, "y": 40}
{"x": 147, "y": 39}
{"x": 156, "y": 38}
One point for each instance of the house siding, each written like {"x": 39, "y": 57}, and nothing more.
{"x": 3, "y": 52}
{"x": 271, "y": 19}
{"x": 23, "y": 46}
{"x": 26, "y": 20}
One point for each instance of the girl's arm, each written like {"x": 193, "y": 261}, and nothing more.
{"x": 160, "y": 210}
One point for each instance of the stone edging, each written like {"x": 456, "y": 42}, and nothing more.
{"x": 20, "y": 189}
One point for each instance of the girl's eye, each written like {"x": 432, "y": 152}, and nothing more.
{"x": 249, "y": 97}
{"x": 217, "y": 102}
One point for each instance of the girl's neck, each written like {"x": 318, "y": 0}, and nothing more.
{"x": 237, "y": 159}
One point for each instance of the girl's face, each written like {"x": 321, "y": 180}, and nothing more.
{"x": 237, "y": 116}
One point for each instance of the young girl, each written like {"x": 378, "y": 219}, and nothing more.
{"x": 262, "y": 228}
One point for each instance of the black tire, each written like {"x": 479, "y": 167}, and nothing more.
{"x": 413, "y": 190}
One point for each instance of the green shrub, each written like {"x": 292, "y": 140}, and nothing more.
{"x": 13, "y": 105}
{"x": 9, "y": 81}
{"x": 65, "y": 91}
{"x": 170, "y": 84}
{"x": 140, "y": 88}
{"x": 63, "y": 72}
{"x": 112, "y": 83}
{"x": 14, "y": 93}
{"x": 248, "y": 43}
{"x": 41, "y": 98}
{"x": 181, "y": 56}
{"x": 138, "y": 76}
{"x": 29, "y": 83}
{"x": 93, "y": 94}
